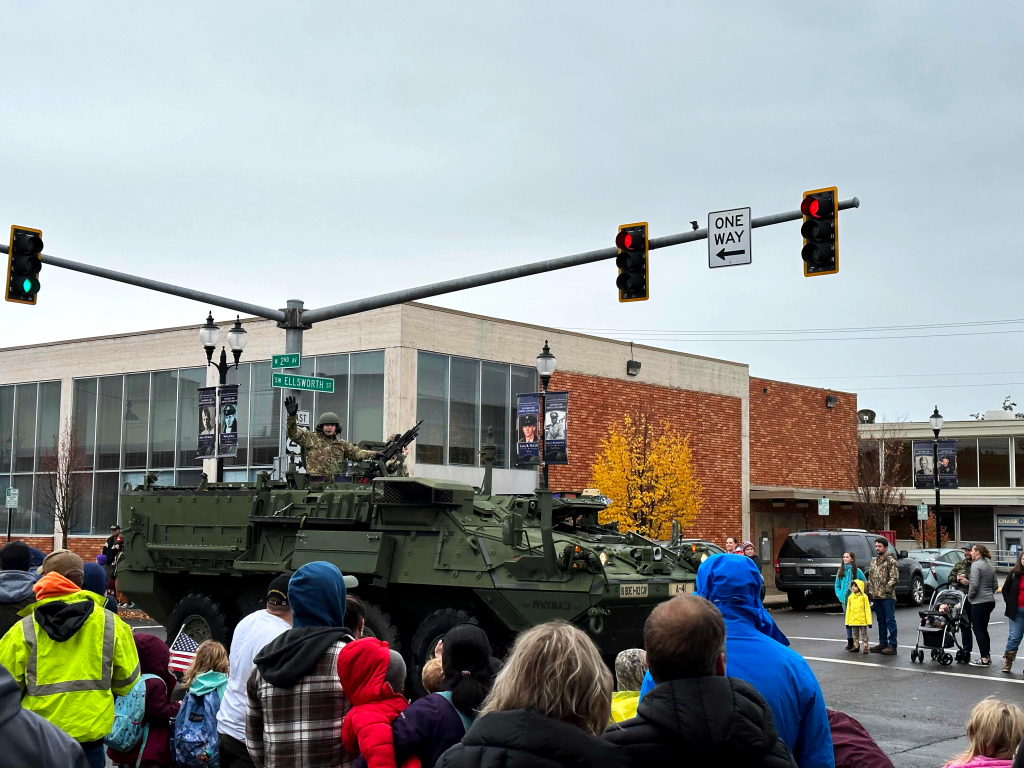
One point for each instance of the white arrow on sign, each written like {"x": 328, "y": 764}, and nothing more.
{"x": 729, "y": 238}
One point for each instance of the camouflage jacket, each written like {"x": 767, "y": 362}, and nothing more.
{"x": 322, "y": 455}
{"x": 964, "y": 567}
{"x": 883, "y": 576}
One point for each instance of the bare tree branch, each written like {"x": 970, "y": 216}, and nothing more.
{"x": 59, "y": 487}
{"x": 882, "y": 460}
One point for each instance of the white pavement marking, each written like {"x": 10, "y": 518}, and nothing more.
{"x": 919, "y": 671}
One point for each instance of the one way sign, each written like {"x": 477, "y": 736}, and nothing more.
{"x": 729, "y": 238}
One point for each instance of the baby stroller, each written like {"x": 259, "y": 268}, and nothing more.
{"x": 939, "y": 628}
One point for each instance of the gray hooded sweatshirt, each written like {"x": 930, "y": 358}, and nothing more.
{"x": 15, "y": 593}
{"x": 29, "y": 740}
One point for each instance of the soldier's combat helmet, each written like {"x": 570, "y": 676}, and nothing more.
{"x": 328, "y": 417}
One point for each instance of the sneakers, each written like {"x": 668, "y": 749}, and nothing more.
{"x": 889, "y": 651}
{"x": 981, "y": 663}
{"x": 876, "y": 648}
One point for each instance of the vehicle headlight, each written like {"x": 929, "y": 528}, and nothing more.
{"x": 704, "y": 557}
{"x": 604, "y": 557}
{"x": 657, "y": 554}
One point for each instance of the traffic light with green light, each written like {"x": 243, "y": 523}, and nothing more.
{"x": 23, "y": 264}
{"x": 820, "y": 229}
{"x": 632, "y": 281}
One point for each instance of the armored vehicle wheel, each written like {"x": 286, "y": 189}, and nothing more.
{"x": 379, "y": 625}
{"x": 425, "y": 639}
{"x": 200, "y": 617}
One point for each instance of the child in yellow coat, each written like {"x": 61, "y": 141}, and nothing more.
{"x": 858, "y": 615}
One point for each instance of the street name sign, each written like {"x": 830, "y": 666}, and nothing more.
{"x": 293, "y": 360}
{"x": 922, "y": 511}
{"x": 823, "y": 506}
{"x": 12, "y": 498}
{"x": 308, "y": 383}
{"x": 729, "y": 238}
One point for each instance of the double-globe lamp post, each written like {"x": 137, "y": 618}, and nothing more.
{"x": 237, "y": 337}
{"x": 545, "y": 369}
{"x": 936, "y": 421}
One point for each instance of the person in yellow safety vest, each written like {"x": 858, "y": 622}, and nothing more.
{"x": 69, "y": 656}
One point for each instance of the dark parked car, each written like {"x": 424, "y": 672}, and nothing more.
{"x": 809, "y": 560}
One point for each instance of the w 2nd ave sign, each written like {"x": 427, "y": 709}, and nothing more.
{"x": 308, "y": 383}
{"x": 729, "y": 238}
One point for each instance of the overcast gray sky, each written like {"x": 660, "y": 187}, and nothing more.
{"x": 331, "y": 151}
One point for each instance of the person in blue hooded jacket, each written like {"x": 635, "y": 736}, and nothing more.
{"x": 757, "y": 651}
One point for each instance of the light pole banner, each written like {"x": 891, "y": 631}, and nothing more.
{"x": 227, "y": 424}
{"x": 924, "y": 469}
{"x": 207, "y": 422}
{"x": 556, "y": 408}
{"x": 527, "y": 442}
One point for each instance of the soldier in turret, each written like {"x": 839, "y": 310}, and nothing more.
{"x": 324, "y": 450}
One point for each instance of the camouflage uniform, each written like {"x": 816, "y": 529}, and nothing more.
{"x": 964, "y": 567}
{"x": 883, "y": 576}
{"x": 323, "y": 455}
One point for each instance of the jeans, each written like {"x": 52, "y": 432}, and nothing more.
{"x": 966, "y": 636}
{"x": 885, "y": 610}
{"x": 1016, "y": 632}
{"x": 980, "y": 613}
{"x": 96, "y": 757}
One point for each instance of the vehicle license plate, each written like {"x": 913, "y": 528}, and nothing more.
{"x": 810, "y": 571}
{"x": 680, "y": 589}
{"x": 632, "y": 590}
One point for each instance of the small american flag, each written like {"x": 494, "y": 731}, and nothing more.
{"x": 183, "y": 651}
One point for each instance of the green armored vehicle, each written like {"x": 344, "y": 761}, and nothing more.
{"x": 428, "y": 554}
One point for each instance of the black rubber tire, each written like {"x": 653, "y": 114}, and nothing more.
{"x": 915, "y": 597}
{"x": 379, "y": 625}
{"x": 190, "y": 610}
{"x": 946, "y": 660}
{"x": 423, "y": 640}
{"x": 798, "y": 600}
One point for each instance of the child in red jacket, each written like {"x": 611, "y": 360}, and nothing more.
{"x": 371, "y": 676}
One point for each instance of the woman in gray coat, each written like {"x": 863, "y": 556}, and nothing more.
{"x": 982, "y": 596}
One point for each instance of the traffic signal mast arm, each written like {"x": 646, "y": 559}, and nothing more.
{"x": 309, "y": 316}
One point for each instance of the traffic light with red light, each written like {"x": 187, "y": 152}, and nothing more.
{"x": 820, "y": 208}
{"x": 632, "y": 281}
{"x": 23, "y": 264}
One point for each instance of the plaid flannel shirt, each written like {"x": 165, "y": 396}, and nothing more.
{"x": 299, "y": 726}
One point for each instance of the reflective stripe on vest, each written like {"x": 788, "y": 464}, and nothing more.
{"x": 32, "y": 688}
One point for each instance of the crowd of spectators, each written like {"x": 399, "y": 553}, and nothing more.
{"x": 302, "y": 686}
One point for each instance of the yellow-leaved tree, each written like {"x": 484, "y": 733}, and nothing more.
{"x": 646, "y": 469}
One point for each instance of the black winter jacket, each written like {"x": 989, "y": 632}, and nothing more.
{"x": 1011, "y": 590}
{"x": 710, "y": 720}
{"x": 523, "y": 738}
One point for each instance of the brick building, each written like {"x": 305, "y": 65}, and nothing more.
{"x": 763, "y": 449}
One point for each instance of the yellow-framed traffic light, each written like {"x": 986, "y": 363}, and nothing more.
{"x": 820, "y": 230}
{"x": 23, "y": 265}
{"x": 633, "y": 280}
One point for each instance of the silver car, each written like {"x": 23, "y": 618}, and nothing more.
{"x": 936, "y": 565}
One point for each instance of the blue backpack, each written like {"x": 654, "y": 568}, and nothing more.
{"x": 195, "y": 731}
{"x": 129, "y": 712}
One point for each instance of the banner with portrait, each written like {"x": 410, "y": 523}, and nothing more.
{"x": 556, "y": 408}
{"x": 207, "y": 398}
{"x": 227, "y": 421}
{"x": 924, "y": 465}
{"x": 527, "y": 429}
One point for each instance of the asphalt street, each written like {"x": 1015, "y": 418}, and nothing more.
{"x": 916, "y": 712}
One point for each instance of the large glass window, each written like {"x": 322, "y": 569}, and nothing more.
{"x": 6, "y": 426}
{"x": 163, "y": 415}
{"x": 264, "y": 418}
{"x": 967, "y": 462}
{"x": 333, "y": 367}
{"x": 105, "y": 501}
{"x": 46, "y": 495}
{"x": 494, "y": 408}
{"x": 190, "y": 380}
{"x": 83, "y": 409}
{"x": 1018, "y": 460}
{"x": 431, "y": 407}
{"x": 367, "y": 396}
{"x": 24, "y": 427}
{"x": 108, "y": 423}
{"x": 21, "y": 518}
{"x": 240, "y": 376}
{"x": 48, "y": 420}
{"x": 81, "y": 517}
{"x": 994, "y": 462}
{"x": 977, "y": 524}
{"x": 135, "y": 437}
{"x": 462, "y": 410}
